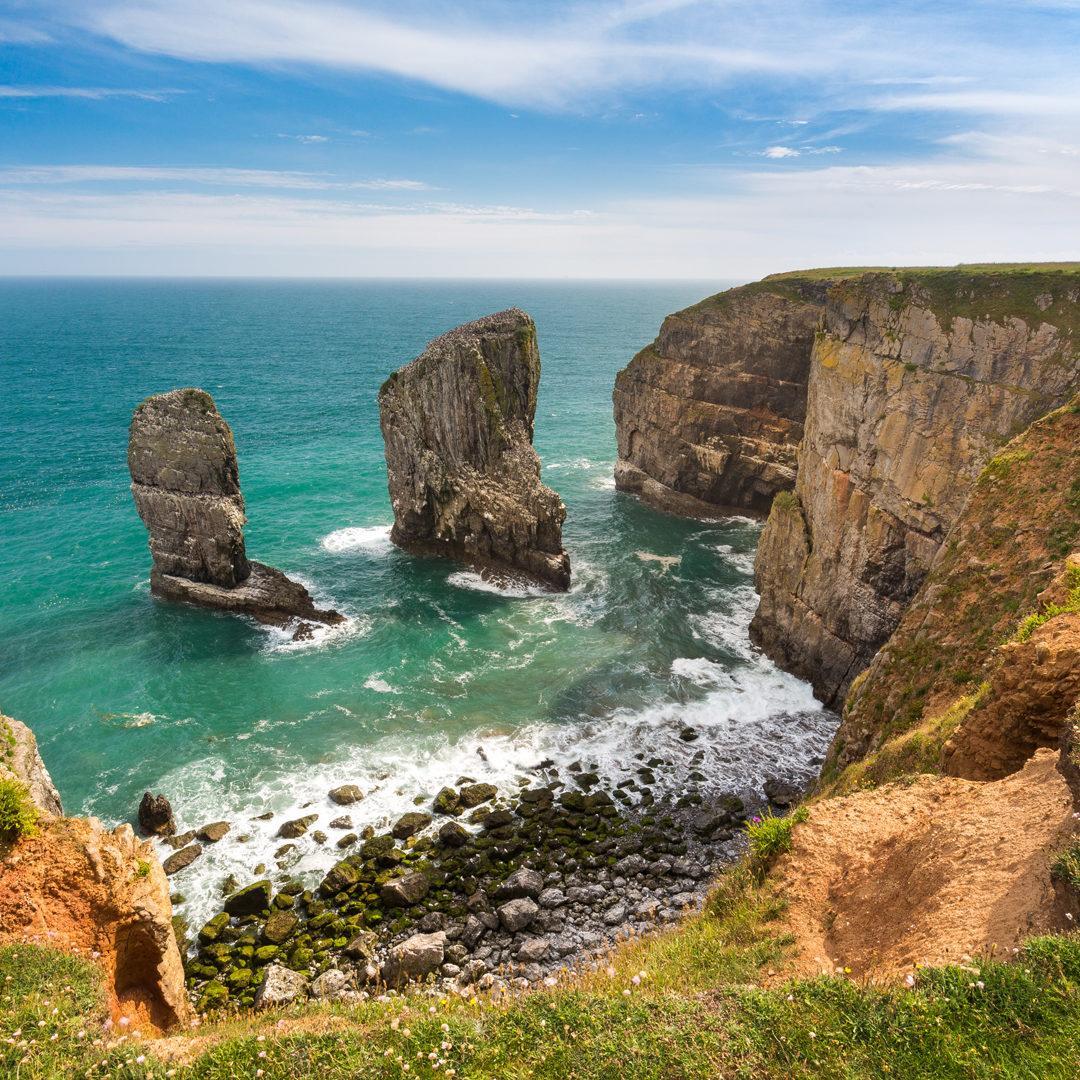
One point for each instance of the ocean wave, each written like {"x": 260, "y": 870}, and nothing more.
{"x": 380, "y": 685}
{"x": 741, "y": 560}
{"x": 374, "y": 538}
{"x": 280, "y": 638}
{"x": 701, "y": 671}
{"x": 470, "y": 579}
{"x": 762, "y": 722}
{"x": 605, "y": 483}
{"x": 576, "y": 464}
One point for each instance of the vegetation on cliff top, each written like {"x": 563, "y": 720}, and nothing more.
{"x": 1023, "y": 516}
{"x": 684, "y": 1004}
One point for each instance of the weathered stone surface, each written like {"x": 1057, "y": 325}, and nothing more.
{"x": 463, "y": 475}
{"x": 291, "y": 830}
{"x": 409, "y": 824}
{"x": 414, "y": 958}
{"x": 517, "y": 914}
{"x": 1001, "y": 559}
{"x": 912, "y": 389}
{"x": 405, "y": 891}
{"x": 156, "y": 815}
{"x": 280, "y": 926}
{"x": 214, "y": 831}
{"x": 522, "y": 882}
{"x": 249, "y": 900}
{"x": 280, "y": 986}
{"x": 346, "y": 794}
{"x": 186, "y": 485}
{"x": 20, "y": 760}
{"x": 708, "y": 417}
{"x": 101, "y": 894}
{"x": 182, "y": 859}
{"x": 474, "y": 794}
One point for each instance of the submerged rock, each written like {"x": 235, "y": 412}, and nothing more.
{"x": 463, "y": 475}
{"x": 186, "y": 484}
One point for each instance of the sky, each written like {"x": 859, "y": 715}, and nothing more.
{"x": 495, "y": 138}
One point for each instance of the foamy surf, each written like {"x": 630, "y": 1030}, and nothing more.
{"x": 470, "y": 579}
{"x": 373, "y": 538}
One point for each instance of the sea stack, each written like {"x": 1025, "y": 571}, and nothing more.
{"x": 464, "y": 478}
{"x": 186, "y": 483}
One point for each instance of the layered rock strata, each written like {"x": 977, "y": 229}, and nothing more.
{"x": 464, "y": 478}
{"x": 917, "y": 378}
{"x": 186, "y": 483}
{"x": 709, "y": 416}
{"x": 954, "y": 667}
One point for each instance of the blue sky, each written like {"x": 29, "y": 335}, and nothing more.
{"x": 641, "y": 138}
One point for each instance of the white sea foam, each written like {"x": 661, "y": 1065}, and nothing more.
{"x": 470, "y": 579}
{"x": 665, "y": 562}
{"x": 576, "y": 464}
{"x": 701, "y": 671}
{"x": 373, "y": 538}
{"x": 380, "y": 685}
{"x": 741, "y": 560}
{"x": 606, "y": 483}
{"x": 280, "y": 638}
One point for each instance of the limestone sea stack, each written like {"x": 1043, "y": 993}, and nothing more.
{"x": 463, "y": 475}
{"x": 186, "y": 484}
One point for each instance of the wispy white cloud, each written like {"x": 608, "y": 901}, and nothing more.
{"x": 92, "y": 93}
{"x": 308, "y": 139}
{"x": 978, "y": 199}
{"x": 778, "y": 152}
{"x": 24, "y": 175}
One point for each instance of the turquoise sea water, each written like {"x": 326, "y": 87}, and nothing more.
{"x": 436, "y": 675}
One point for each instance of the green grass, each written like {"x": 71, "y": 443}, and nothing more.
{"x": 988, "y": 1020}
{"x": 1066, "y": 866}
{"x": 770, "y": 836}
{"x": 18, "y": 815}
{"x": 1032, "y": 622}
{"x": 833, "y": 273}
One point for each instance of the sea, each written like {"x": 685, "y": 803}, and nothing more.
{"x": 437, "y": 674}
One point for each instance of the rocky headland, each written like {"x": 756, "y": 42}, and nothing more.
{"x": 708, "y": 417}
{"x": 917, "y": 379}
{"x": 464, "y": 478}
{"x": 186, "y": 483}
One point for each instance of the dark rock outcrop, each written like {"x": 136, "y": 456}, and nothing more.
{"x": 709, "y": 416}
{"x": 156, "y": 815}
{"x": 917, "y": 378}
{"x": 186, "y": 484}
{"x": 463, "y": 475}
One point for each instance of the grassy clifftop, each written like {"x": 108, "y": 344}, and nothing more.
{"x": 688, "y": 1003}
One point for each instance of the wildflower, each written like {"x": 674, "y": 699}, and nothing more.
{"x": 262, "y": 1053}
{"x": 626, "y": 993}
{"x": 813, "y": 1034}
{"x": 980, "y": 985}
{"x": 140, "y": 1059}
{"x": 909, "y": 980}
{"x": 445, "y": 1027}
{"x": 636, "y": 980}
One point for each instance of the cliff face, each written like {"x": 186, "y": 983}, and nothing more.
{"x": 955, "y": 676}
{"x": 708, "y": 417}
{"x": 463, "y": 475}
{"x": 20, "y": 760}
{"x": 186, "y": 483}
{"x": 916, "y": 379}
{"x": 74, "y": 885}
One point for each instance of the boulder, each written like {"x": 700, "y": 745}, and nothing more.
{"x": 522, "y": 882}
{"x": 464, "y": 478}
{"x": 346, "y": 794}
{"x": 409, "y": 824}
{"x": 156, "y": 815}
{"x": 186, "y": 484}
{"x": 414, "y": 958}
{"x": 362, "y": 946}
{"x": 453, "y": 835}
{"x": 280, "y": 987}
{"x": 405, "y": 891}
{"x": 280, "y": 926}
{"x": 291, "y": 830}
{"x": 182, "y": 859}
{"x": 213, "y": 832}
{"x": 249, "y": 900}
{"x": 517, "y": 914}
{"x": 474, "y": 794}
